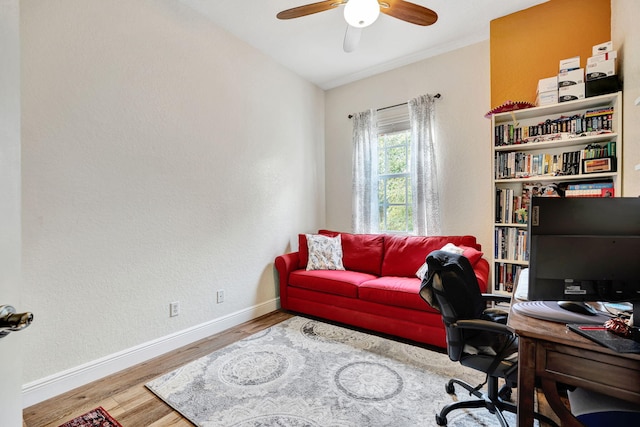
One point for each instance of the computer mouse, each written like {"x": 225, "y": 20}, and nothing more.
{"x": 578, "y": 307}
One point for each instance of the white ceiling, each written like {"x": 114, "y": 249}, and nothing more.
{"x": 311, "y": 46}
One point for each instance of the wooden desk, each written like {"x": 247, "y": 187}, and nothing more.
{"x": 550, "y": 353}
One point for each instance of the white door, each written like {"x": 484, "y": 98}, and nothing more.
{"x": 10, "y": 348}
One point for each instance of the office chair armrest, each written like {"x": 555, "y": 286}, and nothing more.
{"x": 496, "y": 298}
{"x": 483, "y": 325}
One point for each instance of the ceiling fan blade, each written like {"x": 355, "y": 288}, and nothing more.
{"x": 351, "y": 38}
{"x": 409, "y": 12}
{"x": 309, "y": 9}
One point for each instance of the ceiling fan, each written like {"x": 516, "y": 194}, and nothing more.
{"x": 362, "y": 13}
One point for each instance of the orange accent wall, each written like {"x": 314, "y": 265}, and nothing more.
{"x": 527, "y": 46}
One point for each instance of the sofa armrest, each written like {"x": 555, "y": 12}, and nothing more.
{"x": 284, "y": 265}
{"x": 481, "y": 269}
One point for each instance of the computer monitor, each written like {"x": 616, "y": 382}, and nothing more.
{"x": 584, "y": 249}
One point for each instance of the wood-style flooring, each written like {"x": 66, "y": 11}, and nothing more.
{"x": 124, "y": 395}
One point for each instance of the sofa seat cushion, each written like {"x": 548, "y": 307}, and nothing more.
{"x": 392, "y": 290}
{"x": 337, "y": 282}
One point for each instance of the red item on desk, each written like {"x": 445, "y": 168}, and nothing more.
{"x": 618, "y": 326}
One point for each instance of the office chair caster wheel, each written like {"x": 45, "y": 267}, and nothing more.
{"x": 449, "y": 388}
{"x": 441, "y": 421}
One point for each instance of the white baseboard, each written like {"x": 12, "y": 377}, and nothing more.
{"x": 56, "y": 384}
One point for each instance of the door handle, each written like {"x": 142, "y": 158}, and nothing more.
{"x": 10, "y": 321}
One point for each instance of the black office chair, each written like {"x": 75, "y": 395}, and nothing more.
{"x": 477, "y": 336}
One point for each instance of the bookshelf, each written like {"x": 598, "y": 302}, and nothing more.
{"x": 571, "y": 149}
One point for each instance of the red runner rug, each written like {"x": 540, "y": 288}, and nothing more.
{"x": 95, "y": 418}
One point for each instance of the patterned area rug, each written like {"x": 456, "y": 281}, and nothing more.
{"x": 95, "y": 418}
{"x": 304, "y": 372}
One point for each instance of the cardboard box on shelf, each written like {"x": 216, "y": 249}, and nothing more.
{"x": 598, "y": 70}
{"x": 548, "y": 84}
{"x": 602, "y": 86}
{"x": 547, "y": 98}
{"x": 602, "y": 48}
{"x": 573, "y": 77}
{"x": 602, "y": 57}
{"x": 569, "y": 64}
{"x": 571, "y": 93}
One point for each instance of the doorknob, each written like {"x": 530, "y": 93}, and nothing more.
{"x": 10, "y": 321}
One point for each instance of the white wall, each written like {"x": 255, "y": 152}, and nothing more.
{"x": 163, "y": 159}
{"x": 463, "y": 135}
{"x": 626, "y": 38}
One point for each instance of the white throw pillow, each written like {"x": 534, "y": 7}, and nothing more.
{"x": 449, "y": 247}
{"x": 325, "y": 253}
{"x": 422, "y": 271}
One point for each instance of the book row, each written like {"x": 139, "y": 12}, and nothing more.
{"x": 596, "y": 151}
{"x": 513, "y": 208}
{"x": 590, "y": 189}
{"x": 523, "y": 165}
{"x": 511, "y": 244}
{"x": 593, "y": 121}
{"x": 514, "y": 165}
{"x": 510, "y": 207}
{"x": 506, "y": 276}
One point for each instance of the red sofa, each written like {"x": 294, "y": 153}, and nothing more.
{"x": 378, "y": 290}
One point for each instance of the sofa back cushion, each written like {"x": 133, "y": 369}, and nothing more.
{"x": 386, "y": 255}
{"x": 403, "y": 255}
{"x": 303, "y": 251}
{"x": 360, "y": 252}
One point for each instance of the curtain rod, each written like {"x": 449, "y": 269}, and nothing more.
{"x": 437, "y": 95}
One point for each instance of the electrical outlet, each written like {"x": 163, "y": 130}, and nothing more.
{"x": 220, "y": 296}
{"x": 174, "y": 309}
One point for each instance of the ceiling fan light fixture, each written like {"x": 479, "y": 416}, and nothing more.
{"x": 361, "y": 13}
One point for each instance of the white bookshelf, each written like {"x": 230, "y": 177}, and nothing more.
{"x": 506, "y": 263}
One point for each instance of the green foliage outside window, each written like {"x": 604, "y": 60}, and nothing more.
{"x": 394, "y": 188}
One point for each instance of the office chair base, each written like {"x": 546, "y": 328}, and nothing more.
{"x": 495, "y": 401}
{"x": 441, "y": 419}
{"x": 483, "y": 400}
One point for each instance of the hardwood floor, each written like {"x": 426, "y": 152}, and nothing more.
{"x": 124, "y": 395}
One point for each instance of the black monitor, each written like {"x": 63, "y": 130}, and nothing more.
{"x": 584, "y": 249}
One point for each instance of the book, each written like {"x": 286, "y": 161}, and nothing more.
{"x": 590, "y": 185}
{"x": 599, "y": 112}
{"x": 590, "y": 192}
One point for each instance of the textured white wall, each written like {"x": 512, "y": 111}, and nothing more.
{"x": 463, "y": 135}
{"x": 163, "y": 159}
{"x": 626, "y": 39}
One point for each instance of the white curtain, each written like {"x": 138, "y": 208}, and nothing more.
{"x": 426, "y": 200}
{"x": 365, "y": 217}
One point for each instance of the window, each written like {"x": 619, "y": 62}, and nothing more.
{"x": 395, "y": 181}
{"x": 394, "y": 174}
